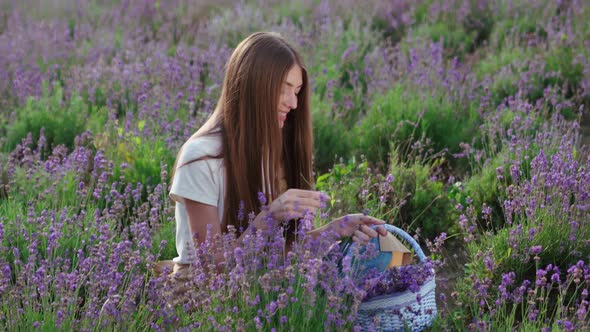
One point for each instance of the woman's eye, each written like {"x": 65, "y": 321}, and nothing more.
{"x": 287, "y": 91}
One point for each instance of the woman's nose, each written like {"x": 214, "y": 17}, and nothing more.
{"x": 292, "y": 102}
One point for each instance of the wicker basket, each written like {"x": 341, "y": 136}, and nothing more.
{"x": 400, "y": 311}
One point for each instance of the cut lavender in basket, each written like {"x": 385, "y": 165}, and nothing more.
{"x": 372, "y": 270}
{"x": 397, "y": 279}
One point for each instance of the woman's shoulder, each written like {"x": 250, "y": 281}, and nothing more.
{"x": 206, "y": 147}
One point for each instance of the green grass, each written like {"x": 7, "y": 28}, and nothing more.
{"x": 62, "y": 120}
{"x": 403, "y": 117}
{"x": 330, "y": 135}
{"x": 456, "y": 40}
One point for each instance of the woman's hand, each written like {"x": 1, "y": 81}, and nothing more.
{"x": 358, "y": 227}
{"x": 293, "y": 204}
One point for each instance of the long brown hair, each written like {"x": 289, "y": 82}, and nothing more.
{"x": 246, "y": 117}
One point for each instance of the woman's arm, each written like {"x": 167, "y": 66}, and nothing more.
{"x": 201, "y": 215}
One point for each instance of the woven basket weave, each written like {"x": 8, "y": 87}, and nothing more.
{"x": 400, "y": 311}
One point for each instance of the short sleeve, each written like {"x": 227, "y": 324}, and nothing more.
{"x": 196, "y": 180}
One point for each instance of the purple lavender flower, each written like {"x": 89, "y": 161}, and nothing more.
{"x": 535, "y": 250}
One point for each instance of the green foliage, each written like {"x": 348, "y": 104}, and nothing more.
{"x": 510, "y": 28}
{"x": 63, "y": 188}
{"x": 510, "y": 248}
{"x": 63, "y": 119}
{"x": 355, "y": 188}
{"x": 459, "y": 36}
{"x": 504, "y": 86}
{"x": 330, "y": 137}
{"x": 340, "y": 68}
{"x": 421, "y": 11}
{"x": 561, "y": 68}
{"x": 480, "y": 21}
{"x": 293, "y": 11}
{"x": 143, "y": 157}
{"x": 164, "y": 232}
{"x": 383, "y": 25}
{"x": 412, "y": 198}
{"x": 390, "y": 119}
{"x": 557, "y": 233}
{"x": 65, "y": 202}
{"x": 505, "y": 69}
{"x": 494, "y": 62}
{"x": 427, "y": 204}
{"x": 403, "y": 117}
{"x": 483, "y": 187}
{"x": 456, "y": 40}
{"x": 343, "y": 184}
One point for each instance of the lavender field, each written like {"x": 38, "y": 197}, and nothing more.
{"x": 463, "y": 122}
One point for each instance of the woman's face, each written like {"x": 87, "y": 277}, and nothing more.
{"x": 289, "y": 91}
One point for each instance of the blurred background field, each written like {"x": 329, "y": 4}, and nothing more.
{"x": 478, "y": 109}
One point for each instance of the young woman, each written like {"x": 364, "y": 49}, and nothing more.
{"x": 258, "y": 140}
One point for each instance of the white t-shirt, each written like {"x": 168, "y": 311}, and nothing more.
{"x": 201, "y": 181}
